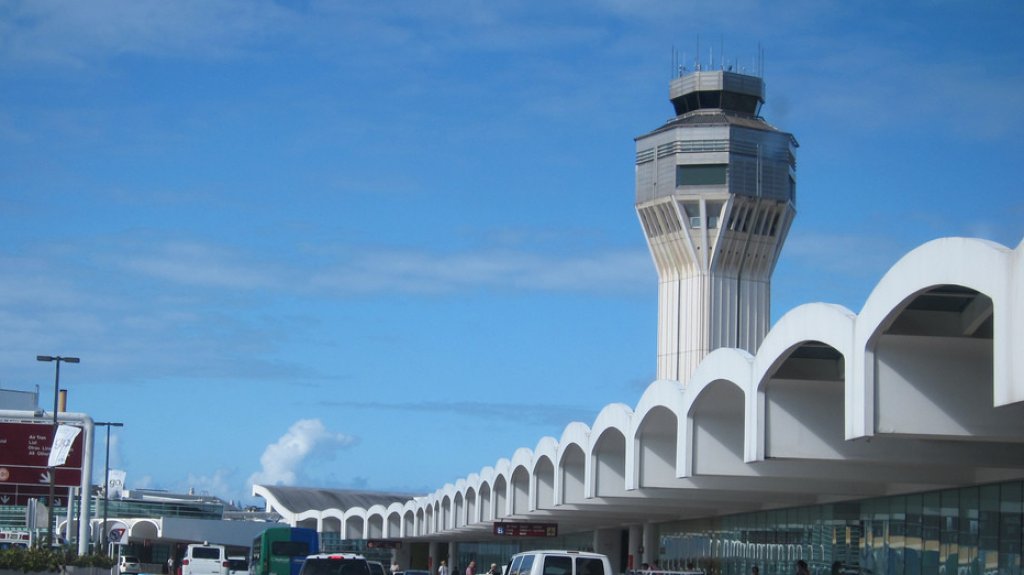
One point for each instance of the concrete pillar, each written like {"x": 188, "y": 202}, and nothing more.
{"x": 606, "y": 541}
{"x": 635, "y": 544}
{"x": 453, "y": 559}
{"x": 435, "y": 555}
{"x": 651, "y": 544}
{"x": 402, "y": 557}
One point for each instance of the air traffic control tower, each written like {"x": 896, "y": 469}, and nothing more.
{"x": 716, "y": 194}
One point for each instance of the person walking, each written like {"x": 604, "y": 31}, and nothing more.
{"x": 471, "y": 570}
{"x": 494, "y": 570}
{"x": 443, "y": 568}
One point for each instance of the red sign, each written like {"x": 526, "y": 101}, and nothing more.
{"x": 24, "y": 450}
{"x": 511, "y": 529}
{"x": 20, "y": 494}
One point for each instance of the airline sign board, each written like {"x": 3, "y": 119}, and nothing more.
{"x": 532, "y": 529}
{"x": 24, "y": 451}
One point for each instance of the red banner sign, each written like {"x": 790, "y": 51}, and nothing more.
{"x": 24, "y": 449}
{"x": 20, "y": 494}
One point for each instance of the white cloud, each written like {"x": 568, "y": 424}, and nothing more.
{"x": 282, "y": 462}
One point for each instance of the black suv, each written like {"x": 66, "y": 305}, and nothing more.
{"x": 335, "y": 564}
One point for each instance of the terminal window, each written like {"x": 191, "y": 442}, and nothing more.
{"x": 701, "y": 175}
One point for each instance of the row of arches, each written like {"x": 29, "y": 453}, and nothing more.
{"x": 919, "y": 390}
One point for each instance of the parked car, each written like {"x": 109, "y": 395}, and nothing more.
{"x": 335, "y": 564}
{"x": 377, "y": 568}
{"x": 238, "y": 565}
{"x": 554, "y": 562}
{"x": 204, "y": 559}
{"x": 129, "y": 564}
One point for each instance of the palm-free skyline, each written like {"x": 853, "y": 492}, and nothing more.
{"x": 382, "y": 246}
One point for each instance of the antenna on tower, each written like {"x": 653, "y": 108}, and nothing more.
{"x": 696, "y": 64}
{"x": 721, "y": 51}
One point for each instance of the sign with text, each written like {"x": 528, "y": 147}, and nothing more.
{"x": 20, "y": 494}
{"x": 25, "y": 453}
{"x": 532, "y": 529}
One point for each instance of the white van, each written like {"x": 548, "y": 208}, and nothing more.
{"x": 550, "y": 562}
{"x": 204, "y": 559}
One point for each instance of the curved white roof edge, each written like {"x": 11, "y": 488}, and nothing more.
{"x": 987, "y": 267}
{"x": 830, "y": 324}
{"x": 523, "y": 457}
{"x": 661, "y": 394}
{"x": 722, "y": 364}
{"x": 977, "y": 264}
{"x": 547, "y": 448}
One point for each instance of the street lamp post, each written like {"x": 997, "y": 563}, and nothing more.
{"x": 106, "y": 482}
{"x": 53, "y": 471}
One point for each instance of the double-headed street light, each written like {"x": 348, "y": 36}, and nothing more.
{"x": 106, "y": 481}
{"x": 53, "y": 471}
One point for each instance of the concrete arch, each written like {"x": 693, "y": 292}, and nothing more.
{"x": 545, "y": 453}
{"x": 721, "y": 365}
{"x": 543, "y": 483}
{"x": 375, "y": 525}
{"x": 144, "y": 529}
{"x": 607, "y": 451}
{"x": 830, "y": 324}
{"x": 500, "y": 493}
{"x": 520, "y": 481}
{"x": 472, "y": 510}
{"x": 655, "y": 447}
{"x": 393, "y": 521}
{"x": 807, "y": 358}
{"x": 519, "y": 490}
{"x": 428, "y": 520}
{"x": 660, "y": 394}
{"x": 571, "y": 476}
{"x": 444, "y": 521}
{"x": 486, "y": 502}
{"x": 458, "y": 511}
{"x": 355, "y": 524}
{"x": 976, "y": 264}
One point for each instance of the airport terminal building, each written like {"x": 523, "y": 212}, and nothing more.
{"x": 889, "y": 440}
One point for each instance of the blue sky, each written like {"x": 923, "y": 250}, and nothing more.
{"x": 383, "y": 244}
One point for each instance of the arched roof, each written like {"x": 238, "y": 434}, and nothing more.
{"x": 944, "y": 327}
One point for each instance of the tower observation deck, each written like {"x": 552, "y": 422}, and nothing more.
{"x": 715, "y": 194}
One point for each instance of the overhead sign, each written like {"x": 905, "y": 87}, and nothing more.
{"x": 25, "y": 454}
{"x": 533, "y": 529}
{"x": 383, "y": 544}
{"x": 20, "y": 494}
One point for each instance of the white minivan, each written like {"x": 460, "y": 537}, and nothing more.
{"x": 204, "y": 559}
{"x": 550, "y": 562}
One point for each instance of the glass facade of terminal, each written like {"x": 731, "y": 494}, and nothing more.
{"x": 964, "y": 531}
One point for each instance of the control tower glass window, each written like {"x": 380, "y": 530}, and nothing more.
{"x": 701, "y": 175}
